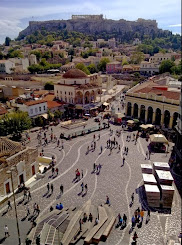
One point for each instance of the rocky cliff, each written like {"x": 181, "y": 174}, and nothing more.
{"x": 90, "y": 26}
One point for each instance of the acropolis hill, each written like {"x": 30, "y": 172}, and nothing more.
{"x": 93, "y": 24}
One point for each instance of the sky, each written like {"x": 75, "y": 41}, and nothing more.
{"x": 15, "y": 14}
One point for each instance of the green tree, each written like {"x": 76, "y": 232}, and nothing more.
{"x": 37, "y": 53}
{"x": 82, "y": 67}
{"x": 137, "y": 57}
{"x": 102, "y": 64}
{"x": 166, "y": 66}
{"x": 92, "y": 68}
{"x": 15, "y": 123}
{"x": 14, "y": 54}
{"x": 49, "y": 86}
{"x": 58, "y": 114}
{"x": 7, "y": 41}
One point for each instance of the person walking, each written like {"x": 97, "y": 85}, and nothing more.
{"x": 133, "y": 221}
{"x": 34, "y": 207}
{"x": 9, "y": 205}
{"x": 58, "y": 142}
{"x": 99, "y": 137}
{"x": 149, "y": 154}
{"x": 57, "y": 171}
{"x": 86, "y": 188}
{"x": 119, "y": 217}
{"x": 28, "y": 210}
{"x": 82, "y": 186}
{"x": 29, "y": 195}
{"x": 82, "y": 173}
{"x": 52, "y": 188}
{"x": 25, "y": 195}
{"x": 80, "y": 223}
{"x": 142, "y": 215}
{"x": 90, "y": 218}
{"x": 108, "y": 201}
{"x": 48, "y": 186}
{"x": 135, "y": 236}
{"x": 100, "y": 149}
{"x": 123, "y": 161}
{"x": 132, "y": 197}
{"x": 124, "y": 219}
{"x": 38, "y": 209}
{"x": 53, "y": 171}
{"x": 94, "y": 166}
{"x": 119, "y": 148}
{"x": 6, "y": 231}
{"x": 146, "y": 155}
{"x": 61, "y": 189}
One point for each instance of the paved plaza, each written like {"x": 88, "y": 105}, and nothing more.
{"x": 115, "y": 180}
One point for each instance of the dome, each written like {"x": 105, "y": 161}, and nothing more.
{"x": 75, "y": 73}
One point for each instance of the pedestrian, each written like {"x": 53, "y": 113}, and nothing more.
{"x": 82, "y": 186}
{"x": 52, "y": 170}
{"x": 90, "y": 218}
{"x": 38, "y": 209}
{"x": 133, "y": 221}
{"x": 86, "y": 188}
{"x": 119, "y": 148}
{"x": 52, "y": 188}
{"x": 123, "y": 161}
{"x": 6, "y": 231}
{"x": 25, "y": 195}
{"x": 48, "y": 187}
{"x": 96, "y": 221}
{"x": 142, "y": 215}
{"x": 94, "y": 166}
{"x": 82, "y": 173}
{"x": 124, "y": 219}
{"x": 88, "y": 149}
{"x": 80, "y": 223}
{"x": 34, "y": 207}
{"x": 28, "y": 210}
{"x": 61, "y": 189}
{"x": 132, "y": 197}
{"x": 119, "y": 217}
{"x": 149, "y": 154}
{"x": 101, "y": 149}
{"x": 127, "y": 150}
{"x": 58, "y": 142}
{"x": 135, "y": 236}
{"x": 108, "y": 201}
{"x": 146, "y": 155}
{"x": 99, "y": 137}
{"x": 57, "y": 171}
{"x": 29, "y": 195}
{"x": 9, "y": 205}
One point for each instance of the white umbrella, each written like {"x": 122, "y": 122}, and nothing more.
{"x": 158, "y": 138}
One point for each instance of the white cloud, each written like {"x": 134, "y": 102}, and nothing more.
{"x": 176, "y": 25}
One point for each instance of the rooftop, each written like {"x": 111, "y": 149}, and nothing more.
{"x": 34, "y": 102}
{"x": 75, "y": 73}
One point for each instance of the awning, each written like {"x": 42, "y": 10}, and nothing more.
{"x": 146, "y": 126}
{"x": 44, "y": 115}
{"x": 158, "y": 138}
{"x": 130, "y": 122}
{"x": 105, "y": 103}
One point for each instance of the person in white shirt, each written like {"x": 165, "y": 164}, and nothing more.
{"x": 6, "y": 231}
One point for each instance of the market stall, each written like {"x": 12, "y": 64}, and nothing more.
{"x": 158, "y": 142}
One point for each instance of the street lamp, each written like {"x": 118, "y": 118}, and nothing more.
{"x": 18, "y": 230}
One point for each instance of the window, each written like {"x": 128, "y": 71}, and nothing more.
{"x": 39, "y": 108}
{"x": 65, "y": 92}
{"x": 69, "y": 93}
{"x": 57, "y": 91}
{"x": 31, "y": 111}
{"x": 44, "y": 107}
{"x": 74, "y": 82}
{"x": 60, "y": 92}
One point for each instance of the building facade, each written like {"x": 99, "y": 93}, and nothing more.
{"x": 113, "y": 67}
{"x": 6, "y": 66}
{"x": 153, "y": 105}
{"x": 12, "y": 154}
{"x": 148, "y": 68}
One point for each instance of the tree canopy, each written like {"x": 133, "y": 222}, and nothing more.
{"x": 166, "y": 66}
{"x": 15, "y": 123}
{"x": 82, "y": 67}
{"x": 102, "y": 64}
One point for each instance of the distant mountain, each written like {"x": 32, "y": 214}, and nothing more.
{"x": 95, "y": 25}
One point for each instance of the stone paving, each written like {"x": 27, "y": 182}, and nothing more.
{"x": 115, "y": 181}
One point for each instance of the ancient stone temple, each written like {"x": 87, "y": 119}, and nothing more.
{"x": 21, "y": 158}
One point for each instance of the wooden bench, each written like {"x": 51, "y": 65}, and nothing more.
{"x": 102, "y": 219}
{"x": 97, "y": 237}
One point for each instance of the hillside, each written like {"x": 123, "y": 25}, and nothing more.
{"x": 94, "y": 26}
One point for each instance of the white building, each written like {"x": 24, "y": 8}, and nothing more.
{"x": 34, "y": 107}
{"x": 6, "y": 66}
{"x": 76, "y": 87}
{"x": 148, "y": 68}
{"x": 21, "y": 64}
{"x": 159, "y": 57}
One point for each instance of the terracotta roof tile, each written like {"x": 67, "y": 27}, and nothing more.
{"x": 53, "y": 104}
{"x": 34, "y": 102}
{"x": 167, "y": 94}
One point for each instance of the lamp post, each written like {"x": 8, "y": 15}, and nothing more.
{"x": 18, "y": 230}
